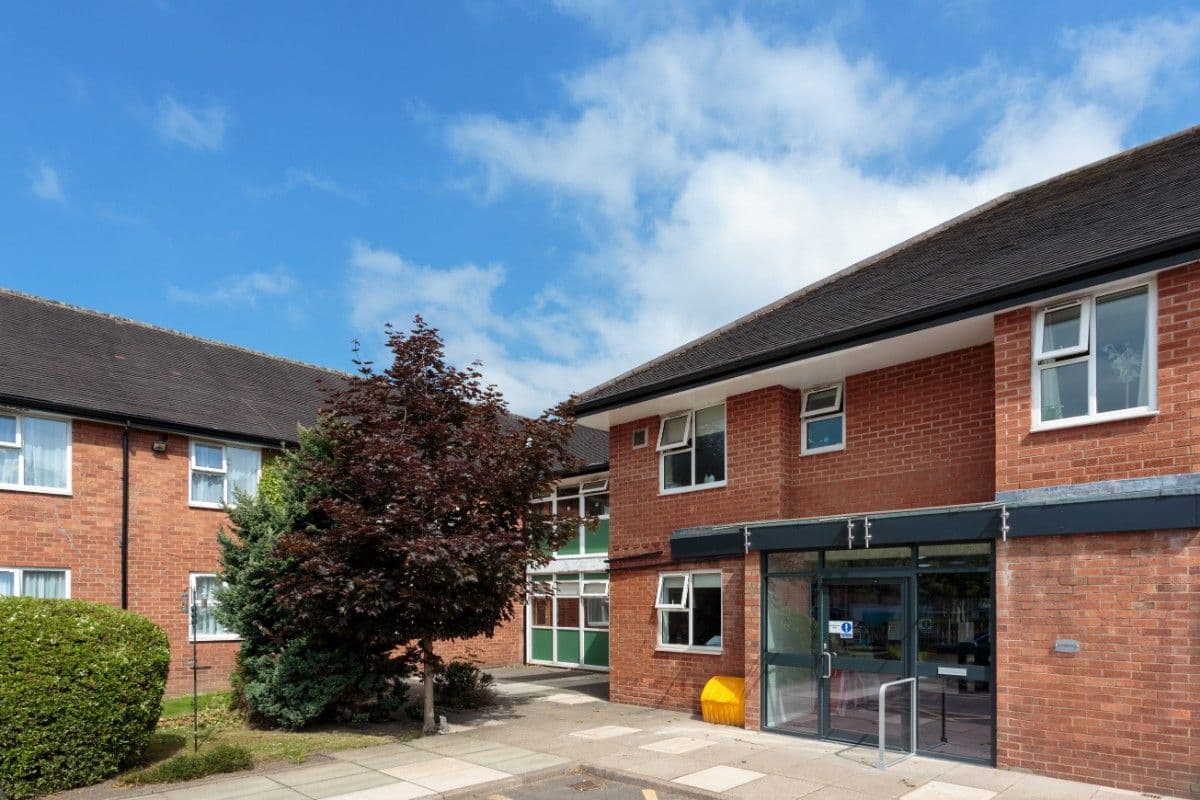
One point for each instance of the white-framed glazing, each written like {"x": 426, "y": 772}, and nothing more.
{"x": 822, "y": 405}
{"x": 690, "y": 447}
{"x": 50, "y": 450}
{"x": 202, "y": 588}
{"x": 1062, "y": 358}
{"x": 44, "y": 582}
{"x": 210, "y": 474}
{"x": 669, "y": 609}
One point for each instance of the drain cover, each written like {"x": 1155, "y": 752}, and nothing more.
{"x": 587, "y": 786}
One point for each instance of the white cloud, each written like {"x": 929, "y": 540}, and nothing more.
{"x": 718, "y": 169}
{"x": 295, "y": 178}
{"x": 45, "y": 184}
{"x": 238, "y": 290}
{"x": 197, "y": 127}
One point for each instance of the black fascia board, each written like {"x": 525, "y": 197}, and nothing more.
{"x": 116, "y": 418}
{"x": 1106, "y": 515}
{"x": 695, "y": 544}
{"x": 1173, "y": 252}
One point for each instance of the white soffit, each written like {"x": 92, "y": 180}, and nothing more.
{"x": 809, "y": 372}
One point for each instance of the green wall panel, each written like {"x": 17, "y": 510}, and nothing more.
{"x": 570, "y": 547}
{"x": 568, "y": 647}
{"x": 543, "y": 645}
{"x": 596, "y": 540}
{"x": 595, "y": 648}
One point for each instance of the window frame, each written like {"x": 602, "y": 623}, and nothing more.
{"x": 806, "y": 417}
{"x": 1082, "y": 346}
{"x": 228, "y": 636}
{"x": 686, "y": 441}
{"x": 19, "y": 446}
{"x": 18, "y": 574}
{"x": 583, "y": 591}
{"x": 689, "y": 446}
{"x": 226, "y": 492}
{"x": 1040, "y": 362}
{"x": 633, "y": 439}
{"x": 688, "y": 608}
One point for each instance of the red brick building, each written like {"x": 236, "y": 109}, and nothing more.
{"x": 969, "y": 465}
{"x": 120, "y": 444}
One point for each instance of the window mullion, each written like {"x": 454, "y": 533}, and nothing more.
{"x": 20, "y": 452}
{"x": 1091, "y": 351}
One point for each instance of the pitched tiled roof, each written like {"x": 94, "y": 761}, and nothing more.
{"x": 1139, "y": 204}
{"x": 59, "y": 357}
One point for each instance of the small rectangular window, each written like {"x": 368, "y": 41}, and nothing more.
{"x": 50, "y": 584}
{"x": 700, "y": 459}
{"x": 202, "y": 621}
{"x": 639, "y": 438}
{"x": 823, "y": 420}
{"x": 1063, "y": 330}
{"x": 35, "y": 453}
{"x": 588, "y": 487}
{"x": 674, "y": 431}
{"x": 672, "y": 591}
{"x": 689, "y": 611}
{"x": 595, "y": 588}
{"x": 220, "y": 473}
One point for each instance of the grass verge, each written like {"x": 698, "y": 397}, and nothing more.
{"x": 228, "y": 744}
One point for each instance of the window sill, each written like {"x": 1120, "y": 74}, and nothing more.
{"x": 9, "y": 487}
{"x": 816, "y": 451}
{"x": 218, "y": 638}
{"x": 1098, "y": 419}
{"x": 208, "y": 506}
{"x": 697, "y": 488}
{"x": 700, "y": 651}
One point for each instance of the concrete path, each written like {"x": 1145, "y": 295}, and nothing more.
{"x": 549, "y": 722}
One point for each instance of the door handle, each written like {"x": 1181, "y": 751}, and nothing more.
{"x": 828, "y": 656}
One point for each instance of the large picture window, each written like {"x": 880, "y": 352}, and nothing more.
{"x": 1095, "y": 358}
{"x": 689, "y": 611}
{"x": 35, "y": 453}
{"x": 27, "y": 582}
{"x": 219, "y": 472}
{"x": 692, "y": 449}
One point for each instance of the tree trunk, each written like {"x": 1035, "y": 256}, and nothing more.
{"x": 429, "y": 669}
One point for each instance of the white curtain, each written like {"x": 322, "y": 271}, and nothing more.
{"x": 9, "y": 457}
{"x": 204, "y": 598}
{"x": 44, "y": 446}
{"x": 6, "y": 584}
{"x": 243, "y": 471}
{"x": 1051, "y": 398}
{"x": 44, "y": 583}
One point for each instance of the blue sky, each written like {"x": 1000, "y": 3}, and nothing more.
{"x": 565, "y": 189}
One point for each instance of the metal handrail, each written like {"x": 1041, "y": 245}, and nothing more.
{"x": 882, "y": 762}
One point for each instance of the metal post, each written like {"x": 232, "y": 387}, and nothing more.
{"x": 882, "y": 762}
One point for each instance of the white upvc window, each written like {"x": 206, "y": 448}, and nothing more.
{"x": 35, "y": 453}
{"x": 35, "y": 582}
{"x": 822, "y": 420}
{"x": 203, "y": 626}
{"x": 219, "y": 471}
{"x": 689, "y": 611}
{"x": 1095, "y": 358}
{"x": 595, "y": 588}
{"x": 691, "y": 449}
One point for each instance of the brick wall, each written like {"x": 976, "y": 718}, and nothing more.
{"x": 1165, "y": 444}
{"x": 167, "y": 539}
{"x": 917, "y": 434}
{"x": 1125, "y": 710}
{"x": 641, "y": 522}
{"x": 506, "y": 646}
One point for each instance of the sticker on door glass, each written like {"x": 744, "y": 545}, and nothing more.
{"x": 842, "y": 627}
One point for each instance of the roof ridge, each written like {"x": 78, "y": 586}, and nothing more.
{"x": 862, "y": 264}
{"x": 170, "y": 331}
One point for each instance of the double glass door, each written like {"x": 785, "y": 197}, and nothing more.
{"x": 830, "y": 645}
{"x": 839, "y": 624}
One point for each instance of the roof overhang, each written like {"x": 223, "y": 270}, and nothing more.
{"x": 674, "y": 393}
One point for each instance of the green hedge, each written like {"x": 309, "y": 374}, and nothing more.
{"x": 81, "y": 688}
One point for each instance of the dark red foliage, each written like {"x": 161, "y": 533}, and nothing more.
{"x": 422, "y": 531}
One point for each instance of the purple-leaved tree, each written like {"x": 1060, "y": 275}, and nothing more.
{"x": 424, "y": 533}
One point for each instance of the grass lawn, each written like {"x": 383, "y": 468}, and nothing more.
{"x": 221, "y": 726}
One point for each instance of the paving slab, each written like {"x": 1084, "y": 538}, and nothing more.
{"x": 678, "y": 745}
{"x": 223, "y": 790}
{"x": 776, "y": 787}
{"x": 534, "y": 762}
{"x": 1037, "y": 787}
{"x": 400, "y": 790}
{"x": 454, "y": 745}
{"x": 317, "y": 772}
{"x": 370, "y": 752}
{"x": 719, "y": 779}
{"x": 569, "y": 699}
{"x": 939, "y": 790}
{"x": 605, "y": 732}
{"x": 332, "y": 787}
{"x": 280, "y": 793}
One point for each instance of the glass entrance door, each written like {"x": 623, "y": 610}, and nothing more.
{"x": 865, "y": 645}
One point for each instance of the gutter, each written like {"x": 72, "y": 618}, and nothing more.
{"x": 1161, "y": 255}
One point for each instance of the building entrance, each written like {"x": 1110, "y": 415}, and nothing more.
{"x": 839, "y": 624}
